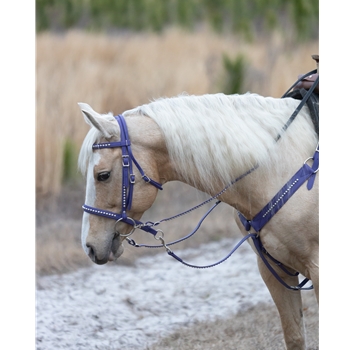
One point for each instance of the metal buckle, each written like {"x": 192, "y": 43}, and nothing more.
{"x": 146, "y": 178}
{"x": 125, "y": 158}
{"x": 315, "y": 171}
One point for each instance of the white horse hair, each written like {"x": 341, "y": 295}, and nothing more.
{"x": 198, "y": 134}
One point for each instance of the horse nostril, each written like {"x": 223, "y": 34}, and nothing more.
{"x": 91, "y": 252}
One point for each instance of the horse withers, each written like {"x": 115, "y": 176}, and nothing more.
{"x": 206, "y": 142}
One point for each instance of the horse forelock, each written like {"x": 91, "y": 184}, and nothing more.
{"x": 221, "y": 136}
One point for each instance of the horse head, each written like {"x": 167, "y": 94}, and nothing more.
{"x": 112, "y": 187}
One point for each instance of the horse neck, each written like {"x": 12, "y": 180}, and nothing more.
{"x": 250, "y": 194}
{"x": 254, "y": 190}
{"x": 247, "y": 195}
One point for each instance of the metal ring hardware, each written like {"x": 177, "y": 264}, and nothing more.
{"x": 133, "y": 229}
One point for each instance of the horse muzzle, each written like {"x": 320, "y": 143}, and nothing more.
{"x": 101, "y": 254}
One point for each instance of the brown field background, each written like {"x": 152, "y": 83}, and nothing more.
{"x": 118, "y": 72}
{"x": 115, "y": 73}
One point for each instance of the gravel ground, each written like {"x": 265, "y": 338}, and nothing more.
{"x": 148, "y": 300}
{"x": 114, "y": 307}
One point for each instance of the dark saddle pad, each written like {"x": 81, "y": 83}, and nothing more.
{"x": 312, "y": 103}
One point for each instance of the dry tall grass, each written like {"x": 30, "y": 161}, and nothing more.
{"x": 115, "y": 73}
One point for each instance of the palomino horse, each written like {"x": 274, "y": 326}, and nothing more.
{"x": 239, "y": 143}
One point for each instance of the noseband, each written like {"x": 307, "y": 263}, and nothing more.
{"x": 128, "y": 181}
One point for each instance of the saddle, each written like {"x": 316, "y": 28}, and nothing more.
{"x": 300, "y": 90}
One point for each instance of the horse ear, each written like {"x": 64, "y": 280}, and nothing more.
{"x": 94, "y": 119}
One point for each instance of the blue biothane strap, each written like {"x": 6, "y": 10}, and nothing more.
{"x": 260, "y": 220}
{"x": 264, "y": 216}
{"x": 115, "y": 216}
{"x": 111, "y": 144}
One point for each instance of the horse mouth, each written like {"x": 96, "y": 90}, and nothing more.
{"x": 112, "y": 253}
{"x": 117, "y": 248}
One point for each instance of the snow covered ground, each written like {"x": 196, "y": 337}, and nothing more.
{"x": 129, "y": 307}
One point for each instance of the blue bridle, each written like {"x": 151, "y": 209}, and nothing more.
{"x": 128, "y": 181}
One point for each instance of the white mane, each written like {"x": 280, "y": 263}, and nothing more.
{"x": 222, "y": 136}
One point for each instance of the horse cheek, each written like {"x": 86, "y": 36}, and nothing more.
{"x": 144, "y": 198}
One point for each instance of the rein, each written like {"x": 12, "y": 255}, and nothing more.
{"x": 128, "y": 181}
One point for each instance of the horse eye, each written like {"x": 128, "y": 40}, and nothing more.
{"x": 103, "y": 176}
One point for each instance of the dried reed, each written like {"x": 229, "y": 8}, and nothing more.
{"x": 115, "y": 73}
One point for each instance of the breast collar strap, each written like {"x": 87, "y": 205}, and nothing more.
{"x": 128, "y": 178}
{"x": 305, "y": 173}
